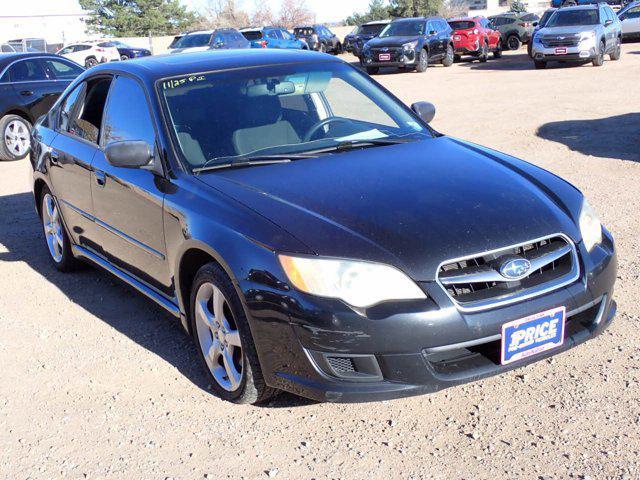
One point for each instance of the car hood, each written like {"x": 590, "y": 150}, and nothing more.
{"x": 566, "y": 30}
{"x": 411, "y": 205}
{"x": 378, "y": 42}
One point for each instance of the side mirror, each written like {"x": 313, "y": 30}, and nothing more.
{"x": 534, "y": 24}
{"x": 425, "y": 110}
{"x": 129, "y": 154}
{"x": 608, "y": 22}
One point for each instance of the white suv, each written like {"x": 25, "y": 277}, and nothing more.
{"x": 89, "y": 54}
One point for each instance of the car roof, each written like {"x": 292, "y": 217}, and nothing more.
{"x": 589, "y": 6}
{"x": 378, "y": 22}
{"x": 7, "y": 58}
{"x": 413, "y": 19}
{"x": 464, "y": 19}
{"x": 157, "y": 67}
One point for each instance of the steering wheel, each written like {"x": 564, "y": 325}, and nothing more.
{"x": 322, "y": 123}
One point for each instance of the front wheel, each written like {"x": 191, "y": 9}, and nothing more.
{"x": 447, "y": 61}
{"x": 90, "y": 62}
{"x": 222, "y": 336}
{"x": 598, "y": 60}
{"x": 484, "y": 54}
{"x": 423, "y": 61}
{"x": 617, "y": 52}
{"x": 15, "y": 143}
{"x": 513, "y": 42}
{"x": 124, "y": 57}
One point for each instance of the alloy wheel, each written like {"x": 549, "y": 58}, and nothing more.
{"x": 52, "y": 228}
{"x": 219, "y": 337}
{"x": 16, "y": 138}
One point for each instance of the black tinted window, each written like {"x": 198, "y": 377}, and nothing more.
{"x": 62, "y": 70}
{"x": 27, "y": 71}
{"x": 128, "y": 116}
{"x": 70, "y": 107}
{"x": 86, "y": 119}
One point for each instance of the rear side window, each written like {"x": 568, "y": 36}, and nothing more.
{"x": 62, "y": 70}
{"x": 70, "y": 107}
{"x": 530, "y": 17}
{"x": 127, "y": 116}
{"x": 461, "y": 25}
{"x": 27, "y": 71}
{"x": 252, "y": 35}
{"x": 84, "y": 115}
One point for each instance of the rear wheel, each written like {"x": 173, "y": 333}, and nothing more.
{"x": 57, "y": 240}
{"x": 124, "y": 57}
{"x": 221, "y": 333}
{"x": 447, "y": 61}
{"x": 484, "y": 53}
{"x": 373, "y": 70}
{"x": 540, "y": 65}
{"x": 423, "y": 61}
{"x": 15, "y": 142}
{"x": 617, "y": 51}
{"x": 598, "y": 60}
{"x": 497, "y": 53}
{"x": 513, "y": 42}
{"x": 90, "y": 62}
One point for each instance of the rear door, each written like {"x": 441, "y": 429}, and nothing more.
{"x": 35, "y": 89}
{"x": 435, "y": 42}
{"x": 128, "y": 202}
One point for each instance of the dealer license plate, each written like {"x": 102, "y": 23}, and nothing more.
{"x": 532, "y": 335}
{"x": 384, "y": 57}
{"x": 561, "y": 51}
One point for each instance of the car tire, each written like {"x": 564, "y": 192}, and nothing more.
{"x": 15, "y": 142}
{"x": 373, "y": 70}
{"x": 484, "y": 54}
{"x": 338, "y": 50}
{"x": 514, "y": 42}
{"x": 124, "y": 57}
{"x": 497, "y": 53}
{"x": 617, "y": 51}
{"x": 223, "y": 339}
{"x": 55, "y": 235}
{"x": 447, "y": 61}
{"x": 539, "y": 64}
{"x": 598, "y": 60}
{"x": 90, "y": 62}
{"x": 423, "y": 61}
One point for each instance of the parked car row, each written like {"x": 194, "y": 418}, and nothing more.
{"x": 94, "y": 52}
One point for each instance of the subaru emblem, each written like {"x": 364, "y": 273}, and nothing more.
{"x": 515, "y": 269}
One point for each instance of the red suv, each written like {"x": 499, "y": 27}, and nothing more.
{"x": 475, "y": 36}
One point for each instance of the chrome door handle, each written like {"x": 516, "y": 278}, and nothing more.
{"x": 100, "y": 177}
{"x": 26, "y": 93}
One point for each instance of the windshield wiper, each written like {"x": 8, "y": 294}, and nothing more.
{"x": 252, "y": 161}
{"x": 354, "y": 144}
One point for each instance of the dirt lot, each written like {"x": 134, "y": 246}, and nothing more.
{"x": 97, "y": 382}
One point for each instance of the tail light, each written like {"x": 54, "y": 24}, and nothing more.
{"x": 263, "y": 44}
{"x": 100, "y": 49}
{"x": 524, "y": 24}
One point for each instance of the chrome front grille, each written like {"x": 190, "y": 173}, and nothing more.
{"x": 550, "y": 41}
{"x": 476, "y": 282}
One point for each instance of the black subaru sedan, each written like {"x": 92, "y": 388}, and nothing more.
{"x": 311, "y": 232}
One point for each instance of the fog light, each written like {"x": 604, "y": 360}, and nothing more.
{"x": 539, "y": 56}
{"x": 584, "y": 54}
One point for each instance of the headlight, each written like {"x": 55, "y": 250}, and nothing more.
{"x": 590, "y": 227}
{"x": 360, "y": 284}
{"x": 410, "y": 46}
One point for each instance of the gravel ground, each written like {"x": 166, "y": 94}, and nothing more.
{"x": 97, "y": 382}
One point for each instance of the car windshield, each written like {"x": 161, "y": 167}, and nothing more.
{"x": 545, "y": 18}
{"x": 403, "y": 29}
{"x": 252, "y": 35}
{"x": 281, "y": 110}
{"x": 461, "y": 25}
{"x": 371, "y": 29}
{"x": 193, "y": 40}
{"x": 569, "y": 18}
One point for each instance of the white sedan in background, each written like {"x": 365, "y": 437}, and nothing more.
{"x": 89, "y": 54}
{"x": 630, "y": 19}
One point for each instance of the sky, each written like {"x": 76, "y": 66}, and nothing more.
{"x": 326, "y": 10}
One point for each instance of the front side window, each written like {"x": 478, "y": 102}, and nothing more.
{"x": 70, "y": 106}
{"x": 127, "y": 116}
{"x": 403, "y": 29}
{"x": 284, "y": 109}
{"x": 85, "y": 120}
{"x": 62, "y": 70}
{"x": 27, "y": 71}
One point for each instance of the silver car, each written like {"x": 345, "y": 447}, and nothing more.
{"x": 580, "y": 33}
{"x": 630, "y": 19}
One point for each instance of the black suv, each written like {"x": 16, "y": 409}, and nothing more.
{"x": 319, "y": 38}
{"x": 30, "y": 83}
{"x": 354, "y": 42}
{"x": 410, "y": 43}
{"x": 315, "y": 235}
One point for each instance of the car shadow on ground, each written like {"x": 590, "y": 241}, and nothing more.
{"x": 107, "y": 298}
{"x": 612, "y": 137}
{"x": 511, "y": 62}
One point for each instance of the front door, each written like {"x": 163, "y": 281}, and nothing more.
{"x": 128, "y": 202}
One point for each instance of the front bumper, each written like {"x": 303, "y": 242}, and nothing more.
{"x": 410, "y": 348}
{"x": 569, "y": 54}
{"x": 397, "y": 58}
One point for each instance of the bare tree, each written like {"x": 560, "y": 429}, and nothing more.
{"x": 222, "y": 14}
{"x": 262, "y": 14}
{"x": 295, "y": 12}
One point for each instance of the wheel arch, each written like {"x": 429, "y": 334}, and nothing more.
{"x": 38, "y": 186}
{"x": 20, "y": 113}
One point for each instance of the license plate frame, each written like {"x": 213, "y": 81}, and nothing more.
{"x": 384, "y": 57}
{"x": 561, "y": 51}
{"x": 532, "y": 335}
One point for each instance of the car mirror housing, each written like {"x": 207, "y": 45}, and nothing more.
{"x": 129, "y": 154}
{"x": 535, "y": 24}
{"x": 608, "y": 22}
{"x": 425, "y": 110}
